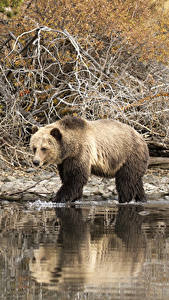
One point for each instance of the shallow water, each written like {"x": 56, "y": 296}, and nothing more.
{"x": 84, "y": 252}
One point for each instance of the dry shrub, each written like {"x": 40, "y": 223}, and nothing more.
{"x": 48, "y": 73}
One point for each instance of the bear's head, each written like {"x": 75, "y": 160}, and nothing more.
{"x": 46, "y": 144}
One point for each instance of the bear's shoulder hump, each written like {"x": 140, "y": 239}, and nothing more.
{"x": 70, "y": 122}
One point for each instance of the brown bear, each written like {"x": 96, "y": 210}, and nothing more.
{"x": 104, "y": 148}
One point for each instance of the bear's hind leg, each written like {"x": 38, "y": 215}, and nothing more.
{"x": 124, "y": 185}
{"x": 140, "y": 193}
{"x": 125, "y": 180}
{"x": 129, "y": 184}
{"x": 124, "y": 189}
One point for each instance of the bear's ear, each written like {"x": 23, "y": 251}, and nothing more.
{"x": 34, "y": 129}
{"x": 55, "y": 132}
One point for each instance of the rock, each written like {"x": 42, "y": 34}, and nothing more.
{"x": 30, "y": 170}
{"x": 9, "y": 178}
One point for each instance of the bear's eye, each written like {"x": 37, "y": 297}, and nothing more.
{"x": 43, "y": 149}
{"x": 34, "y": 149}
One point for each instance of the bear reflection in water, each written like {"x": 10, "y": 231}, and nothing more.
{"x": 92, "y": 253}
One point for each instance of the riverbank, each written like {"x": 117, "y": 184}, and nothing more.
{"x": 34, "y": 184}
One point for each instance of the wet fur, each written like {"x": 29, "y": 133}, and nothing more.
{"x": 105, "y": 148}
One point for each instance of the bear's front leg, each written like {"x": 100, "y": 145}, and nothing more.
{"x": 68, "y": 193}
{"x": 74, "y": 176}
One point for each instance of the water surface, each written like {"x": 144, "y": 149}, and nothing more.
{"x": 84, "y": 252}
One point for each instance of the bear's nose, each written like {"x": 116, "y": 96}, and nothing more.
{"x": 36, "y": 162}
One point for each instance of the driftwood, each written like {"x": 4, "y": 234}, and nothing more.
{"x": 158, "y": 149}
{"x": 159, "y": 162}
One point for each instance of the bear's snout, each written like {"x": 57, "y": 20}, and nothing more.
{"x": 36, "y": 162}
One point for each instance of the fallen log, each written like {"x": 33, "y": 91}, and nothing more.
{"x": 158, "y": 149}
{"x": 159, "y": 162}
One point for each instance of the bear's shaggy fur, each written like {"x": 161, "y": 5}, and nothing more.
{"x": 105, "y": 148}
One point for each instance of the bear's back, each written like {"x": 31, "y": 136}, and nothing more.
{"x": 113, "y": 143}
{"x": 113, "y": 134}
